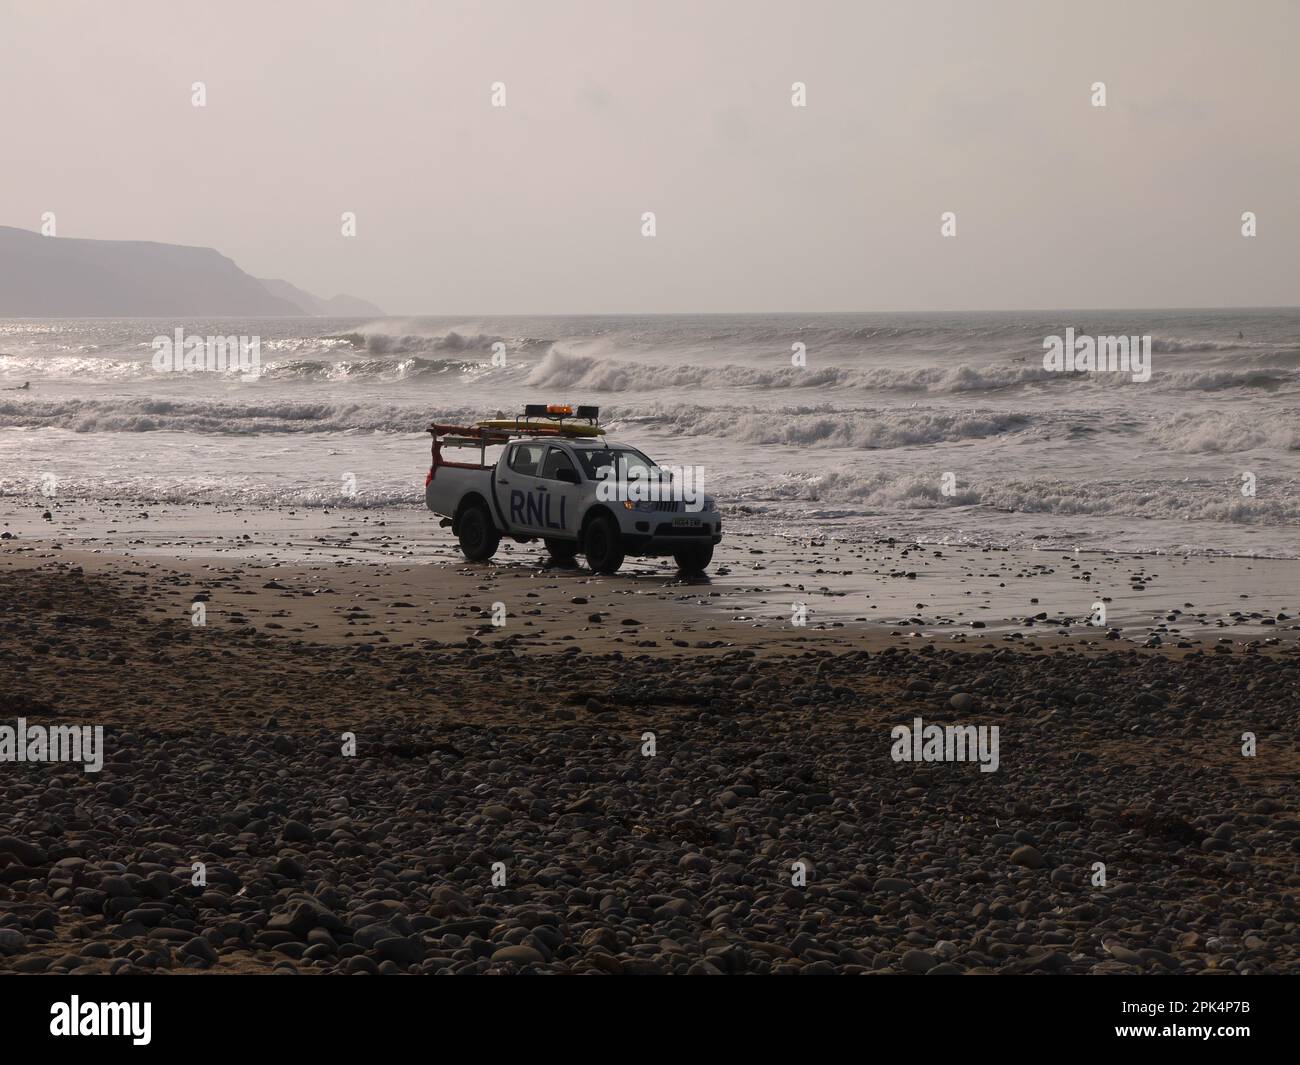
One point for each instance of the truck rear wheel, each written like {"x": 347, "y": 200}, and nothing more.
{"x": 561, "y": 550}
{"x": 603, "y": 546}
{"x": 479, "y": 538}
{"x": 693, "y": 560}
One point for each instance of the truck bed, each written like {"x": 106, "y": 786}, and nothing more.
{"x": 449, "y": 484}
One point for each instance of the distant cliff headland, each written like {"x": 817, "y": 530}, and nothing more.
{"x": 62, "y": 277}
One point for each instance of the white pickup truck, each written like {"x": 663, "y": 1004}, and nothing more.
{"x": 556, "y": 489}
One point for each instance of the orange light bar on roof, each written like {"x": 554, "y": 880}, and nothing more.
{"x": 559, "y": 408}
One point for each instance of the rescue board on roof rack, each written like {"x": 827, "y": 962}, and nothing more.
{"x": 549, "y": 418}
{"x": 526, "y": 425}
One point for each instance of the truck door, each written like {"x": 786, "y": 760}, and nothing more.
{"x": 559, "y": 480}
{"x": 518, "y": 488}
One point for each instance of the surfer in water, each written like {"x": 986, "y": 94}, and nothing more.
{"x": 19, "y": 388}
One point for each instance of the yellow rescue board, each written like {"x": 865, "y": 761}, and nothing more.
{"x": 537, "y": 425}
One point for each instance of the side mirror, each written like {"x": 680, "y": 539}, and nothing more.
{"x": 567, "y": 476}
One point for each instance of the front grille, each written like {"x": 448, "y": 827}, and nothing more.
{"x": 671, "y": 506}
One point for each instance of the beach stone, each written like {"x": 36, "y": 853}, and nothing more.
{"x": 368, "y": 935}
{"x": 1160, "y": 957}
{"x": 290, "y": 868}
{"x": 116, "y": 887}
{"x": 296, "y": 832}
{"x": 603, "y": 937}
{"x": 27, "y": 853}
{"x": 520, "y": 955}
{"x": 200, "y": 948}
{"x": 1027, "y": 856}
{"x": 401, "y": 950}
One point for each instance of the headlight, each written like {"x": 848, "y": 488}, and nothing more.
{"x": 710, "y": 504}
{"x": 641, "y": 506}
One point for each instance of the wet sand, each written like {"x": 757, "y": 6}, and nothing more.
{"x": 393, "y": 575}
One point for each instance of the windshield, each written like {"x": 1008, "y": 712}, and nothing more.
{"x": 626, "y": 463}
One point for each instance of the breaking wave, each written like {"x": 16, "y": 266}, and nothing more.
{"x": 882, "y": 492}
{"x": 414, "y": 368}
{"x": 810, "y": 427}
{"x": 561, "y": 370}
{"x": 1229, "y": 433}
{"x": 798, "y": 427}
{"x": 395, "y": 343}
{"x": 150, "y": 415}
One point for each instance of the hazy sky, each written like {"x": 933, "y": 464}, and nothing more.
{"x": 383, "y": 107}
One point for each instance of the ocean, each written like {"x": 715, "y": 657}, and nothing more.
{"x": 942, "y": 428}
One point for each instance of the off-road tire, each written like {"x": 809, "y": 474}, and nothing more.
{"x": 693, "y": 560}
{"x": 561, "y": 550}
{"x": 479, "y": 538}
{"x": 603, "y": 545}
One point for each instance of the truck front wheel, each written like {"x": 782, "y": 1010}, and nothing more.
{"x": 693, "y": 560}
{"x": 603, "y": 546}
{"x": 561, "y": 550}
{"x": 479, "y": 538}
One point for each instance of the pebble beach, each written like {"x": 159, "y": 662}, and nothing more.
{"x": 348, "y": 768}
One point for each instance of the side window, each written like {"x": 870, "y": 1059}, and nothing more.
{"x": 556, "y": 460}
{"x": 526, "y": 458}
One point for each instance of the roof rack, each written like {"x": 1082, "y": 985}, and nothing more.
{"x": 538, "y": 420}
{"x": 489, "y": 436}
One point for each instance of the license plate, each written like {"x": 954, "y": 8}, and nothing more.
{"x": 686, "y": 523}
